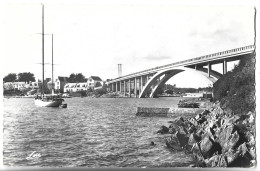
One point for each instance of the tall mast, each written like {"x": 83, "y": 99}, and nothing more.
{"x": 52, "y": 59}
{"x": 42, "y": 49}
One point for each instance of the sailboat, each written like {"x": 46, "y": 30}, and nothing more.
{"x": 47, "y": 100}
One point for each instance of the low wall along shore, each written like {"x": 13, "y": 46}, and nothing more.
{"x": 166, "y": 112}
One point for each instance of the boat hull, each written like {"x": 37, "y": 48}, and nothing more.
{"x": 39, "y": 102}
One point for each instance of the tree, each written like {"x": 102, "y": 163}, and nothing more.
{"x": 72, "y": 78}
{"x": 10, "y": 77}
{"x": 159, "y": 90}
{"x": 169, "y": 91}
{"x": 26, "y": 77}
{"x": 79, "y": 77}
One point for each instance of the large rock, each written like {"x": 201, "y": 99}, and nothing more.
{"x": 208, "y": 147}
{"x": 231, "y": 142}
{"x": 197, "y": 152}
{"x": 238, "y": 158}
{"x": 208, "y": 131}
{"x": 179, "y": 121}
{"x": 174, "y": 127}
{"x": 216, "y": 161}
{"x": 218, "y": 112}
{"x": 223, "y": 134}
{"x": 183, "y": 130}
{"x": 200, "y": 132}
{"x": 251, "y": 118}
{"x": 192, "y": 129}
{"x": 198, "y": 116}
{"x": 173, "y": 142}
{"x": 201, "y": 120}
{"x": 205, "y": 112}
{"x": 252, "y": 152}
{"x": 182, "y": 138}
{"x": 163, "y": 130}
{"x": 172, "y": 130}
{"x": 193, "y": 121}
{"x": 194, "y": 138}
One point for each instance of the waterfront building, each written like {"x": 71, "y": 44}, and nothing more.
{"x": 19, "y": 85}
{"x": 193, "y": 95}
{"x": 8, "y": 86}
{"x": 33, "y": 85}
{"x": 95, "y": 81}
{"x": 60, "y": 83}
{"x": 81, "y": 86}
{"x": 70, "y": 87}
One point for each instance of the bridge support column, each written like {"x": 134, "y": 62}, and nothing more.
{"x": 120, "y": 86}
{"x": 196, "y": 67}
{"x": 116, "y": 87}
{"x": 141, "y": 85}
{"x": 124, "y": 88}
{"x": 129, "y": 87}
{"x": 224, "y": 66}
{"x": 112, "y": 87}
{"x": 209, "y": 69}
{"x": 135, "y": 85}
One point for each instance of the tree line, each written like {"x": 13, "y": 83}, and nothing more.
{"x": 21, "y": 77}
{"x": 27, "y": 77}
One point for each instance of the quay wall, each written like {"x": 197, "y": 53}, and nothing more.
{"x": 166, "y": 112}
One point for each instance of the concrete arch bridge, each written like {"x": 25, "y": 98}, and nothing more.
{"x": 146, "y": 83}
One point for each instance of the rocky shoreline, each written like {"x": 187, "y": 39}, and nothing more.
{"x": 215, "y": 138}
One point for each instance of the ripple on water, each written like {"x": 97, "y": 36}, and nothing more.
{"x": 89, "y": 133}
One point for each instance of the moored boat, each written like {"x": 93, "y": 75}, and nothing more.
{"x": 48, "y": 103}
{"x": 45, "y": 100}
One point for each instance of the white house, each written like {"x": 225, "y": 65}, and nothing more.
{"x": 94, "y": 81}
{"x": 60, "y": 83}
{"x": 70, "y": 87}
{"x": 82, "y": 86}
{"x": 19, "y": 85}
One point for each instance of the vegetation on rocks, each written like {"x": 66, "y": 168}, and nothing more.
{"x": 236, "y": 89}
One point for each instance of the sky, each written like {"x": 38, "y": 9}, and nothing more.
{"x": 92, "y": 37}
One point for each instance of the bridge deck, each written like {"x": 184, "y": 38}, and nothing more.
{"x": 214, "y": 58}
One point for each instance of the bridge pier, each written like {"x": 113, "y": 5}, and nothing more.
{"x": 129, "y": 87}
{"x": 224, "y": 66}
{"x": 124, "y": 88}
{"x": 112, "y": 87}
{"x": 141, "y": 87}
{"x": 135, "y": 84}
{"x": 209, "y": 69}
{"x": 121, "y": 87}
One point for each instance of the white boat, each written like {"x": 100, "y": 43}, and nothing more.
{"x": 47, "y": 100}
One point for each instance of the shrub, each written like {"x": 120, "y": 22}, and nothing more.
{"x": 236, "y": 89}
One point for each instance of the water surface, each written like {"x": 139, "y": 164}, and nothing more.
{"x": 91, "y": 132}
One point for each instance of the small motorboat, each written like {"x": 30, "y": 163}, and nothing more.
{"x": 184, "y": 104}
{"x": 63, "y": 105}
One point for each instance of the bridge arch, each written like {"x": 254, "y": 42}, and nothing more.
{"x": 154, "y": 83}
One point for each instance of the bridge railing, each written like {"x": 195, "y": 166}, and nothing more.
{"x": 227, "y": 52}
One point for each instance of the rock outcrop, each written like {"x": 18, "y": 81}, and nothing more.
{"x": 215, "y": 137}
